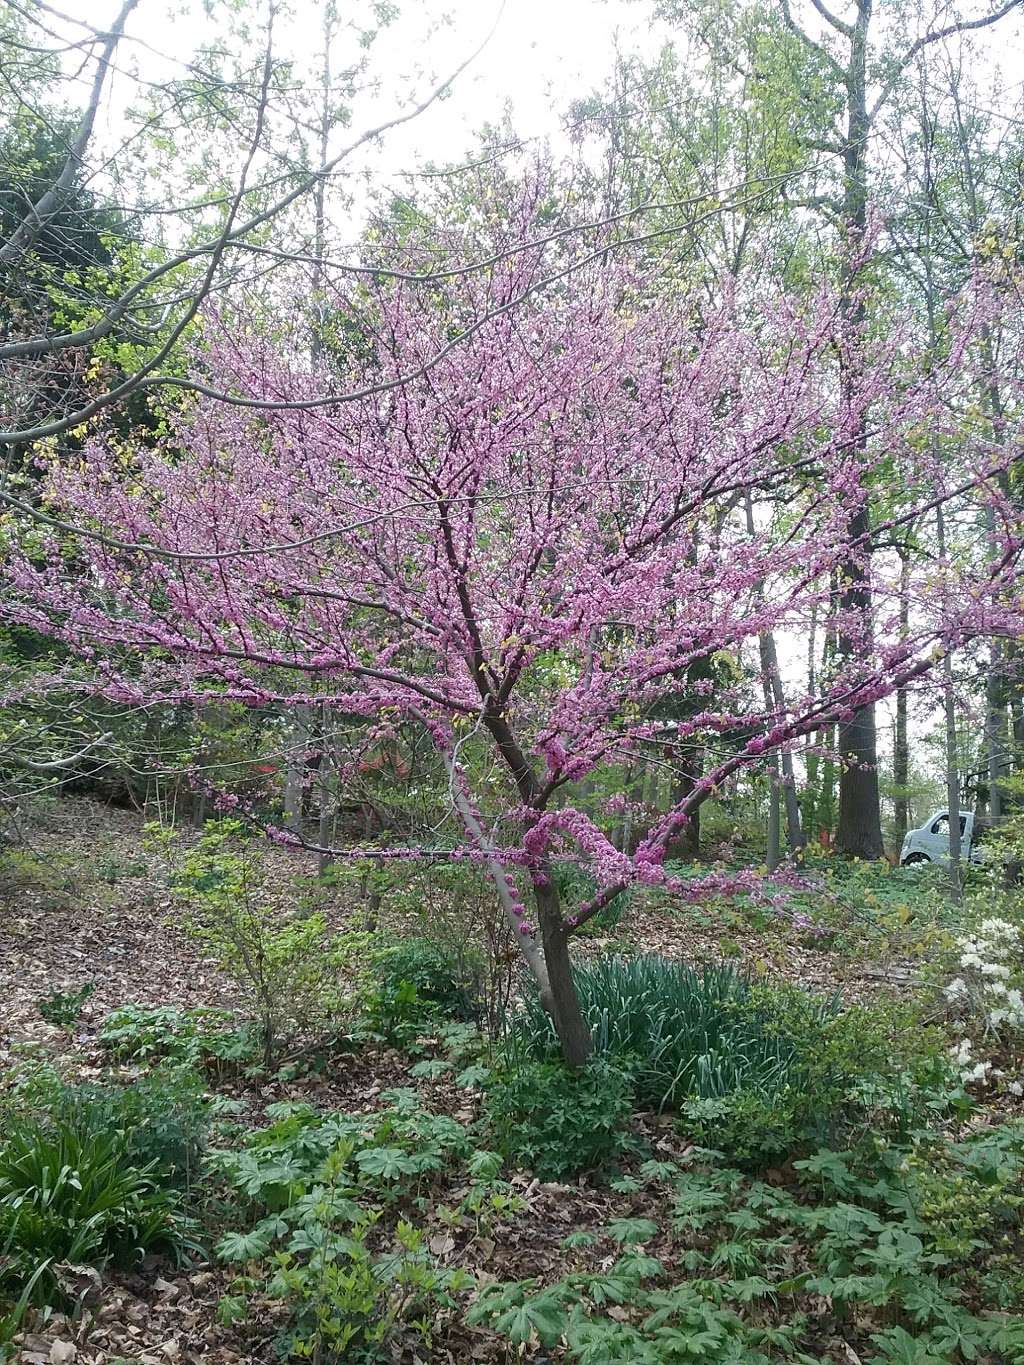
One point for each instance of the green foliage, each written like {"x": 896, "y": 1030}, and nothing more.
{"x": 679, "y": 1032}
{"x": 283, "y": 961}
{"x": 859, "y": 1234}
{"x": 160, "y": 1119}
{"x": 22, "y": 872}
{"x": 74, "y": 1194}
{"x": 558, "y": 1122}
{"x": 196, "y": 1037}
{"x": 414, "y": 984}
{"x": 318, "y": 1185}
{"x": 576, "y": 885}
{"x": 755, "y": 1071}
{"x": 141, "y": 1033}
{"x": 64, "y": 1008}
{"x": 451, "y": 905}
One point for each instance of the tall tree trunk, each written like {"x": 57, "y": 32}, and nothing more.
{"x": 295, "y": 771}
{"x": 327, "y": 791}
{"x": 809, "y": 797}
{"x": 901, "y": 745}
{"x": 784, "y": 777}
{"x": 949, "y": 709}
{"x": 860, "y": 817}
{"x": 772, "y": 854}
{"x": 685, "y": 843}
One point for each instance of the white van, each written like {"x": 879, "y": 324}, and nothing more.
{"x": 930, "y": 843}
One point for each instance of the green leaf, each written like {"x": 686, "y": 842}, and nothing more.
{"x": 543, "y": 1315}
{"x": 630, "y": 1231}
{"x": 245, "y": 1246}
{"x": 387, "y": 1162}
{"x": 485, "y": 1165}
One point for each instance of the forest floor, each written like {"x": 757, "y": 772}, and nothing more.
{"x": 86, "y": 902}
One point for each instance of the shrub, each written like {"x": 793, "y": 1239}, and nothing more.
{"x": 307, "y": 1177}
{"x": 64, "y": 1008}
{"x": 755, "y": 1071}
{"x": 73, "y": 1195}
{"x": 558, "y": 1122}
{"x": 414, "y": 984}
{"x": 161, "y": 1119}
{"x": 452, "y": 906}
{"x": 140, "y": 1033}
{"x": 283, "y": 961}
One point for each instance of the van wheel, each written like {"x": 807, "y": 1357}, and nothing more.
{"x": 915, "y": 859}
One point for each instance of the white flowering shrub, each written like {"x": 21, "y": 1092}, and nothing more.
{"x": 989, "y": 992}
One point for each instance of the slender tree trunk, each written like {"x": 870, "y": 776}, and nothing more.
{"x": 949, "y": 708}
{"x": 563, "y": 1002}
{"x": 295, "y": 772}
{"x": 328, "y": 792}
{"x": 685, "y": 843}
{"x": 809, "y": 798}
{"x": 995, "y": 726}
{"x": 774, "y": 815}
{"x": 901, "y": 745}
{"x": 787, "y": 776}
{"x": 774, "y": 700}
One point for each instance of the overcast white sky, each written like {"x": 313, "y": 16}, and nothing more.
{"x": 542, "y": 54}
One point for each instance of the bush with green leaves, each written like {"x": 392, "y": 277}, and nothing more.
{"x": 288, "y": 968}
{"x": 161, "y": 1118}
{"x": 64, "y": 1008}
{"x": 190, "y": 1037}
{"x": 143, "y": 1033}
{"x": 73, "y": 1193}
{"x": 413, "y": 985}
{"x": 557, "y": 1122}
{"x": 451, "y": 907}
{"x": 755, "y": 1071}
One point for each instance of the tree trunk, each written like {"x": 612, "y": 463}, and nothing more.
{"x": 949, "y": 707}
{"x": 327, "y": 791}
{"x": 860, "y": 815}
{"x": 685, "y": 843}
{"x": 562, "y": 1002}
{"x": 901, "y": 743}
{"x": 785, "y": 774}
{"x": 295, "y": 772}
{"x": 774, "y": 814}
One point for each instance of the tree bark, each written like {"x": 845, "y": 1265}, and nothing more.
{"x": 563, "y": 1002}
{"x": 901, "y": 744}
{"x": 859, "y": 833}
{"x": 949, "y": 709}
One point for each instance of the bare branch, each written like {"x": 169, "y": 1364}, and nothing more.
{"x": 52, "y": 200}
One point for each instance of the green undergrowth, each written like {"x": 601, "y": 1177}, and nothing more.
{"x": 758, "y": 1071}
{"x": 907, "y": 1253}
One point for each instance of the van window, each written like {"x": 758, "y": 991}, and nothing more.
{"x": 941, "y": 825}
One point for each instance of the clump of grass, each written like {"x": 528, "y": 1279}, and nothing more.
{"x": 682, "y": 1033}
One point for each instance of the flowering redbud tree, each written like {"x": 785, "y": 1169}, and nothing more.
{"x": 528, "y": 540}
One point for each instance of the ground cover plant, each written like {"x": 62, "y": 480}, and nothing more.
{"x": 746, "y": 1166}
